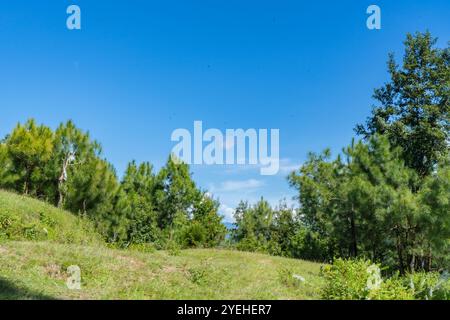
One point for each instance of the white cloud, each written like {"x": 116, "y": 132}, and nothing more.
{"x": 227, "y": 213}
{"x": 287, "y": 166}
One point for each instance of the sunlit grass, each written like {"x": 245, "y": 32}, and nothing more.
{"x": 38, "y": 270}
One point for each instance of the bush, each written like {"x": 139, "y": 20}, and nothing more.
{"x": 287, "y": 277}
{"x": 392, "y": 289}
{"x": 429, "y": 285}
{"x": 173, "y": 248}
{"x": 274, "y": 248}
{"x": 361, "y": 280}
{"x": 250, "y": 244}
{"x": 346, "y": 280}
{"x": 200, "y": 274}
{"x": 194, "y": 235}
{"x": 209, "y": 275}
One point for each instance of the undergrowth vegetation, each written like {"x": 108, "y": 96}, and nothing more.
{"x": 361, "y": 280}
{"x": 24, "y": 218}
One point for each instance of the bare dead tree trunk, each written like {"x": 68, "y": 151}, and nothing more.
{"x": 62, "y": 178}
{"x": 25, "y": 187}
{"x": 60, "y": 193}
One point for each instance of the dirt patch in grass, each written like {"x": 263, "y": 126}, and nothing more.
{"x": 3, "y": 250}
{"x": 169, "y": 269}
{"x": 265, "y": 262}
{"x": 131, "y": 262}
{"x": 54, "y": 271}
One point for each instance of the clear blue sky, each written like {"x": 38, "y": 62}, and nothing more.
{"x": 140, "y": 69}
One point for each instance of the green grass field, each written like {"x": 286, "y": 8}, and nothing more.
{"x": 39, "y": 242}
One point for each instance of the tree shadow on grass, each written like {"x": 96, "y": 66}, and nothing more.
{"x": 11, "y": 291}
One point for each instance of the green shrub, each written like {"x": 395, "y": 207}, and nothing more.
{"x": 429, "y": 285}
{"x": 194, "y": 235}
{"x": 442, "y": 292}
{"x": 47, "y": 220}
{"x": 361, "y": 280}
{"x": 273, "y": 248}
{"x": 288, "y": 277}
{"x": 346, "y": 280}
{"x": 199, "y": 274}
{"x": 392, "y": 289}
{"x": 250, "y": 244}
{"x": 208, "y": 274}
{"x": 173, "y": 248}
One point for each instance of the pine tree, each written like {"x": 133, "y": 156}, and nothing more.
{"x": 175, "y": 192}
{"x": 414, "y": 106}
{"x": 136, "y": 204}
{"x": 29, "y": 148}
{"x": 435, "y": 201}
{"x": 73, "y": 149}
{"x": 365, "y": 206}
{"x": 206, "y": 214}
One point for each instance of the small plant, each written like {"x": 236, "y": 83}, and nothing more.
{"x": 32, "y": 232}
{"x": 9, "y": 226}
{"x": 201, "y": 274}
{"x": 47, "y": 220}
{"x": 173, "y": 248}
{"x": 289, "y": 278}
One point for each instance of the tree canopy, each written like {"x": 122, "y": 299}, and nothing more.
{"x": 414, "y": 106}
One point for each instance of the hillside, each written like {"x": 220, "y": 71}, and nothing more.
{"x": 39, "y": 242}
{"x": 24, "y": 218}
{"x": 37, "y": 270}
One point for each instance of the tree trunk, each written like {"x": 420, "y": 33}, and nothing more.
{"x": 400, "y": 255}
{"x": 60, "y": 196}
{"x": 26, "y": 185}
{"x": 430, "y": 259}
{"x": 412, "y": 264}
{"x": 61, "y": 180}
{"x": 353, "y": 231}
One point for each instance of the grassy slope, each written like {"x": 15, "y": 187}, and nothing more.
{"x": 37, "y": 270}
{"x": 33, "y": 264}
{"x": 24, "y": 218}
